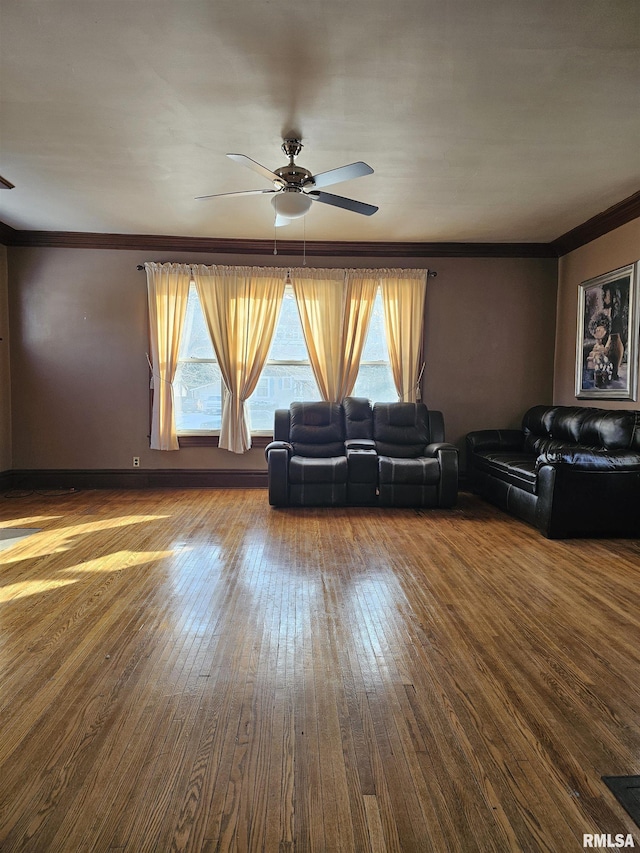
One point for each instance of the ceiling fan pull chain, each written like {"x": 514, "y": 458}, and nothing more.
{"x": 275, "y": 238}
{"x": 304, "y": 241}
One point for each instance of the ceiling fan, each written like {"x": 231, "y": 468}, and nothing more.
{"x": 295, "y": 188}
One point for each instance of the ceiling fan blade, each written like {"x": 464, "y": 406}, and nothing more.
{"x": 346, "y": 203}
{"x": 256, "y": 167}
{"x": 242, "y": 192}
{"x": 344, "y": 173}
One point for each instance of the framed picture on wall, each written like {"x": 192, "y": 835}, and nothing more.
{"x": 607, "y": 340}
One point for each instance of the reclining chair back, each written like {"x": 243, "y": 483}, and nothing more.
{"x": 316, "y": 429}
{"x": 401, "y": 430}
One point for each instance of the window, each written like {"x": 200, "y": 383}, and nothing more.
{"x": 287, "y": 375}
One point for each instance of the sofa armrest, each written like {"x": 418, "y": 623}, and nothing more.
{"x": 447, "y": 455}
{"x": 359, "y": 444}
{"x": 278, "y": 473}
{"x": 278, "y": 445}
{"x": 590, "y": 459}
{"x": 495, "y": 439}
{"x": 435, "y": 448}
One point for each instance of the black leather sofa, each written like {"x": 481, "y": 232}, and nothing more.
{"x": 391, "y": 454}
{"x": 570, "y": 471}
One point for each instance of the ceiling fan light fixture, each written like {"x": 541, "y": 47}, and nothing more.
{"x": 291, "y": 203}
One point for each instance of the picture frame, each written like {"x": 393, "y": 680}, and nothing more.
{"x": 607, "y": 336}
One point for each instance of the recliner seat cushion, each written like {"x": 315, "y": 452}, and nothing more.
{"x": 307, "y": 470}
{"x": 422, "y": 471}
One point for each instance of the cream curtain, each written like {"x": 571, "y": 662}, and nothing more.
{"x": 320, "y": 299}
{"x": 241, "y": 306}
{"x": 335, "y": 309}
{"x": 403, "y": 297}
{"x": 361, "y": 287}
{"x": 167, "y": 294}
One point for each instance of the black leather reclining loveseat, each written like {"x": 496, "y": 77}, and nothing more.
{"x": 331, "y": 454}
{"x": 570, "y": 471}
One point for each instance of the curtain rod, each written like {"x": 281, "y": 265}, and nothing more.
{"x": 430, "y": 273}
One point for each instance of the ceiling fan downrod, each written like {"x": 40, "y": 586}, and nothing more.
{"x": 291, "y": 147}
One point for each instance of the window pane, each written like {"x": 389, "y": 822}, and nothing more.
{"x": 195, "y": 341}
{"x": 375, "y": 382}
{"x": 197, "y": 388}
{"x": 197, "y": 396}
{"x": 288, "y": 340}
{"x": 279, "y": 385}
{"x": 287, "y": 375}
{"x": 375, "y": 379}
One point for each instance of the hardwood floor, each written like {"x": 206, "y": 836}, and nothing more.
{"x": 194, "y": 671}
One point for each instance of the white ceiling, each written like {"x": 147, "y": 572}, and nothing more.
{"x": 484, "y": 120}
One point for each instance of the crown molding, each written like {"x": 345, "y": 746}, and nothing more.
{"x": 610, "y": 219}
{"x": 8, "y": 235}
{"x": 615, "y": 216}
{"x": 319, "y": 248}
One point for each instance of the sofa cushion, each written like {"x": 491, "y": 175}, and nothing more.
{"x": 316, "y": 429}
{"x": 307, "y": 470}
{"x": 543, "y": 424}
{"x": 423, "y": 471}
{"x": 516, "y": 469}
{"x": 590, "y": 458}
{"x": 615, "y": 430}
{"x": 536, "y": 426}
{"x": 566, "y": 423}
{"x": 358, "y": 418}
{"x": 400, "y": 429}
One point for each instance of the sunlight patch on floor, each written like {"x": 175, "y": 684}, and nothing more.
{"x": 118, "y": 560}
{"x": 109, "y": 563}
{"x": 12, "y": 535}
{"x": 20, "y": 590}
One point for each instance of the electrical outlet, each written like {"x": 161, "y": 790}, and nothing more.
{"x": 136, "y": 461}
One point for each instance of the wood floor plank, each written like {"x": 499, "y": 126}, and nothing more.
{"x": 191, "y": 670}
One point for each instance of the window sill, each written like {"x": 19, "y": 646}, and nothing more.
{"x": 212, "y": 440}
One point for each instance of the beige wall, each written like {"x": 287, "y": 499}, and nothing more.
{"x": 5, "y": 378}
{"x": 613, "y": 250}
{"x": 79, "y": 337}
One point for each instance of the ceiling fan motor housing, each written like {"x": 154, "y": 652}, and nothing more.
{"x": 295, "y": 177}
